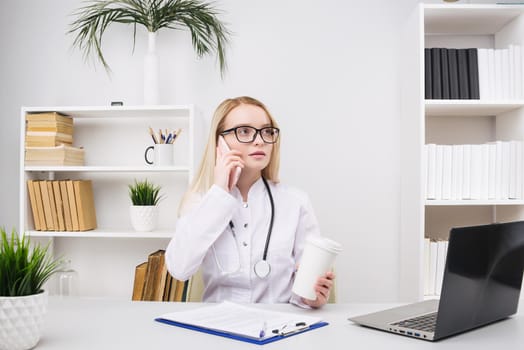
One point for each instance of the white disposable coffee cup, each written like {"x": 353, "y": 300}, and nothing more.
{"x": 318, "y": 258}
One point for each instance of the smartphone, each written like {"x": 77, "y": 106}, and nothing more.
{"x": 235, "y": 173}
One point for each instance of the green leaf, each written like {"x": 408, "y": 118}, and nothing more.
{"x": 144, "y": 193}
{"x": 208, "y": 34}
{"x": 23, "y": 271}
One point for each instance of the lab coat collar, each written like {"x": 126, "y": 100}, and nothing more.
{"x": 256, "y": 189}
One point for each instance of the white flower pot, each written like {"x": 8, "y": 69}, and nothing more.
{"x": 144, "y": 218}
{"x": 21, "y": 321}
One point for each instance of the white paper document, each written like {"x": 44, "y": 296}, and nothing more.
{"x": 242, "y": 320}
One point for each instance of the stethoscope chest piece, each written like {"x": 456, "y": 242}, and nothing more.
{"x": 262, "y": 269}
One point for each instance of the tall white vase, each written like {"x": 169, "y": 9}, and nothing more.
{"x": 151, "y": 72}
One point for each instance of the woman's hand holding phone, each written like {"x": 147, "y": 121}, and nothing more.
{"x": 228, "y": 165}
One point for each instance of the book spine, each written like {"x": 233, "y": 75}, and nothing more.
{"x": 445, "y": 73}
{"x": 453, "y": 74}
{"x": 473, "y": 74}
{"x": 32, "y": 200}
{"x": 431, "y": 155}
{"x": 436, "y": 76}
{"x": 491, "y": 74}
{"x": 505, "y": 74}
{"x": 462, "y": 60}
{"x": 457, "y": 172}
{"x": 483, "y": 74}
{"x": 439, "y": 171}
{"x": 428, "y": 93}
{"x": 466, "y": 178}
{"x": 446, "y": 171}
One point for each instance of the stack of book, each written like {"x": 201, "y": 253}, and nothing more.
{"x": 451, "y": 73}
{"x": 59, "y": 155}
{"x": 49, "y": 139}
{"x": 154, "y": 283}
{"x": 491, "y": 170}
{"x": 62, "y": 205}
{"x": 484, "y": 73}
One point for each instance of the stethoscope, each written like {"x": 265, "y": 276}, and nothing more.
{"x": 262, "y": 267}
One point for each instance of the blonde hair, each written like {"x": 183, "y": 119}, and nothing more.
{"x": 204, "y": 177}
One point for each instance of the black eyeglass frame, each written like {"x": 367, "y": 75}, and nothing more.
{"x": 257, "y": 132}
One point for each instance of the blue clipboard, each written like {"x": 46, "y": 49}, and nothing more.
{"x": 239, "y": 337}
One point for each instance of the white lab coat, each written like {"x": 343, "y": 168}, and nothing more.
{"x": 203, "y": 237}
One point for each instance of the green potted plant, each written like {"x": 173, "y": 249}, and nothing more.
{"x": 208, "y": 34}
{"x": 23, "y": 302}
{"x": 144, "y": 211}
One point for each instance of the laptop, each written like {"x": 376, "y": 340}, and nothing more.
{"x": 481, "y": 285}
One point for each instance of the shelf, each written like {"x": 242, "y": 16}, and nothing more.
{"x": 469, "y": 202}
{"x": 163, "y": 111}
{"x": 101, "y": 169}
{"x": 468, "y": 19}
{"x": 475, "y": 108}
{"x": 450, "y": 122}
{"x": 104, "y": 233}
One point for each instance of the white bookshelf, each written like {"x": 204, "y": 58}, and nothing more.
{"x": 114, "y": 140}
{"x": 450, "y": 122}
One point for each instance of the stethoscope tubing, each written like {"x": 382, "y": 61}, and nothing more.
{"x": 270, "y": 230}
{"x": 268, "y": 237}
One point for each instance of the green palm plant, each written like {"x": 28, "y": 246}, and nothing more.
{"x": 23, "y": 271}
{"x": 144, "y": 193}
{"x": 208, "y": 34}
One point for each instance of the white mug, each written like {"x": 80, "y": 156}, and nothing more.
{"x": 162, "y": 154}
{"x": 318, "y": 258}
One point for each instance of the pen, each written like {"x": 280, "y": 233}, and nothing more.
{"x": 262, "y": 333}
{"x": 293, "y": 328}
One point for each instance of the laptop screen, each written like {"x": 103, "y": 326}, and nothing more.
{"x": 483, "y": 276}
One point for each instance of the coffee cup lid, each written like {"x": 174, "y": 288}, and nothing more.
{"x": 325, "y": 243}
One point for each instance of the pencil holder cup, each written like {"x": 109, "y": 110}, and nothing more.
{"x": 163, "y": 154}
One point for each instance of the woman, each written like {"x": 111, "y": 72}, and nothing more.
{"x": 247, "y": 236}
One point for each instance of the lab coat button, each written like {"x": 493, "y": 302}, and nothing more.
{"x": 244, "y": 244}
{"x": 245, "y": 225}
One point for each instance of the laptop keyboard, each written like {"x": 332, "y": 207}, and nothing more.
{"x": 424, "y": 323}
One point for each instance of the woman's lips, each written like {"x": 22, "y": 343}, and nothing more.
{"x": 257, "y": 154}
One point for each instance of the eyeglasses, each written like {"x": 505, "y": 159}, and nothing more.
{"x": 248, "y": 134}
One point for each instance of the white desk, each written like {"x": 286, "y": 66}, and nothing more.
{"x": 115, "y": 324}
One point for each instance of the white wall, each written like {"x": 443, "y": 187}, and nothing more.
{"x": 328, "y": 71}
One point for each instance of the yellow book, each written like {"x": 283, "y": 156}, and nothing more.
{"x": 72, "y": 205}
{"x": 140, "y": 278}
{"x": 47, "y": 139}
{"x": 59, "y": 205}
{"x": 46, "y": 200}
{"x": 32, "y": 200}
{"x": 56, "y": 155}
{"x": 57, "y": 127}
{"x": 48, "y": 116}
{"x": 54, "y": 211}
{"x": 67, "y": 209}
{"x": 40, "y": 205}
{"x": 85, "y": 204}
{"x": 179, "y": 292}
{"x": 169, "y": 285}
{"x": 155, "y": 277}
